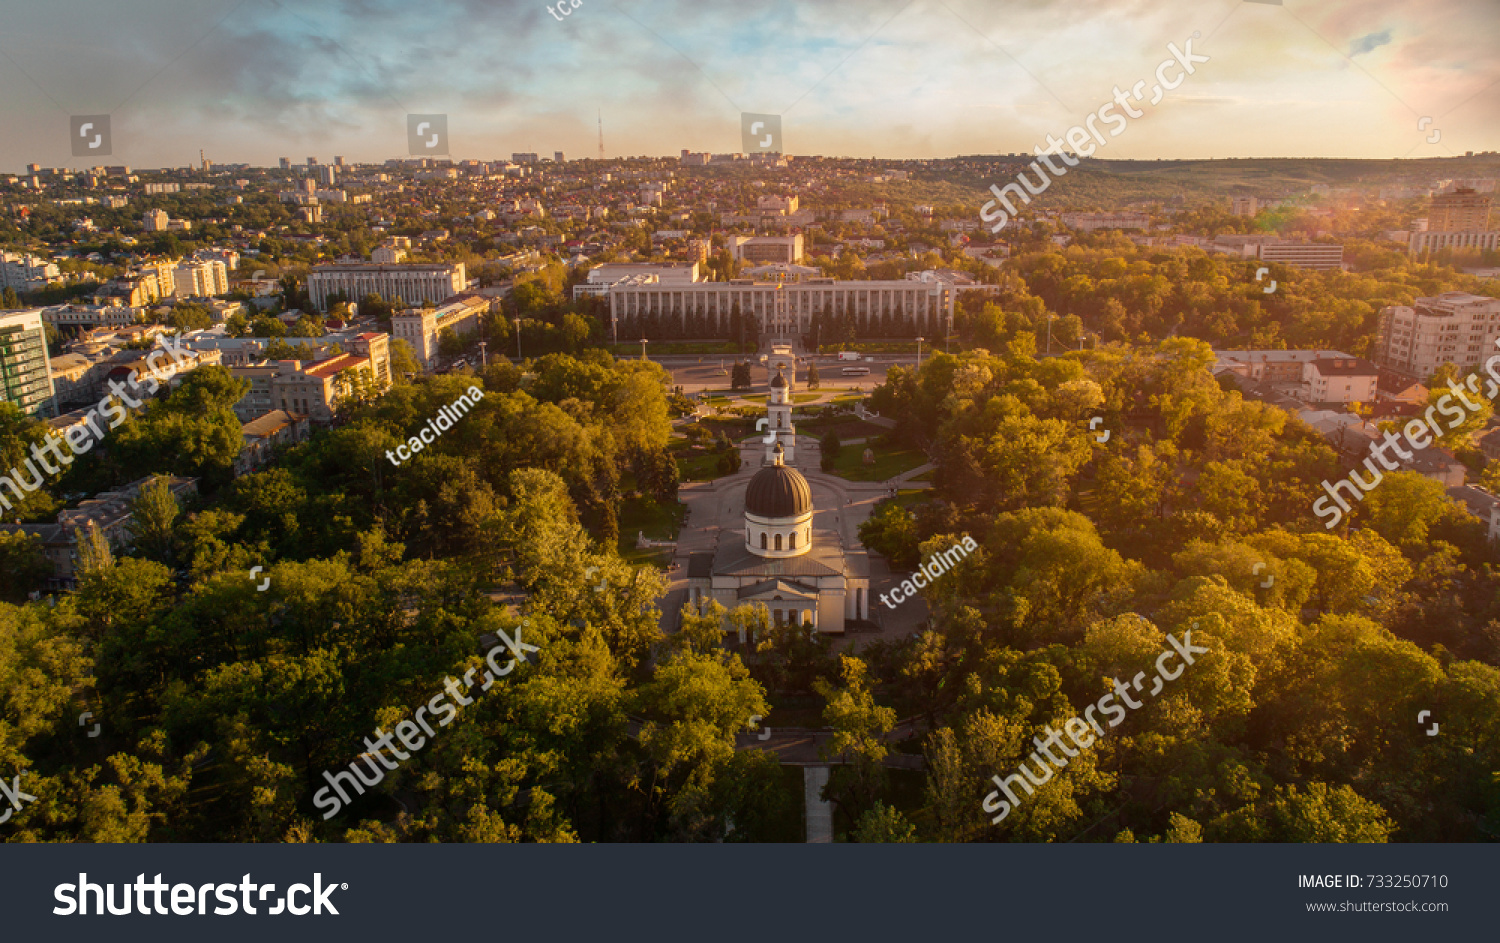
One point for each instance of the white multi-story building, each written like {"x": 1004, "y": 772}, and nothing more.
{"x": 1474, "y": 241}
{"x": 413, "y": 283}
{"x": 420, "y": 327}
{"x": 1309, "y": 255}
{"x": 155, "y": 221}
{"x": 23, "y": 271}
{"x": 1455, "y": 327}
{"x": 200, "y": 278}
{"x": 781, "y": 308}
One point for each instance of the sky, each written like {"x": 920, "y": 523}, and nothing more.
{"x": 249, "y": 81}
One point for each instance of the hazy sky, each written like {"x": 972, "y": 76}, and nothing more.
{"x": 254, "y": 80}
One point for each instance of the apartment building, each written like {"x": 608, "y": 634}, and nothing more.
{"x": 420, "y": 327}
{"x": 1339, "y": 380}
{"x": 1244, "y": 206}
{"x": 1462, "y": 210}
{"x": 200, "y": 278}
{"x": 412, "y": 283}
{"x": 758, "y": 250}
{"x": 1455, "y": 327}
{"x": 25, "y": 375}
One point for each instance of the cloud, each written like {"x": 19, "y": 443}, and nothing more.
{"x": 1369, "y": 43}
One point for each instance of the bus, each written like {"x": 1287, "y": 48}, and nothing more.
{"x": 856, "y": 371}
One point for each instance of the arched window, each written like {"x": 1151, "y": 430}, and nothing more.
{"x": 762, "y": 540}
{"x": 793, "y": 544}
{"x": 778, "y": 541}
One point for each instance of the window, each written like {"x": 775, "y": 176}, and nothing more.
{"x": 793, "y": 544}
{"x": 778, "y": 541}
{"x": 762, "y": 540}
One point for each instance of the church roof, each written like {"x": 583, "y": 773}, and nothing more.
{"x": 734, "y": 559}
{"x": 778, "y": 491}
{"x": 778, "y": 381}
{"x": 776, "y": 585}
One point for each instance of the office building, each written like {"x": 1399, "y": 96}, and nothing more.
{"x": 760, "y": 249}
{"x": 412, "y": 283}
{"x": 1473, "y": 241}
{"x": 1455, "y": 327}
{"x": 523, "y": 158}
{"x": 25, "y": 376}
{"x": 286, "y": 163}
{"x": 1244, "y": 206}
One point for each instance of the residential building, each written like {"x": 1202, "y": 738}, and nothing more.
{"x": 23, "y": 271}
{"x": 1339, "y": 380}
{"x": 412, "y": 283}
{"x": 155, "y": 221}
{"x": 1462, "y": 210}
{"x": 25, "y": 375}
{"x": 194, "y": 278}
{"x": 1455, "y": 327}
{"x": 420, "y": 327}
{"x": 1276, "y": 367}
{"x": 110, "y": 511}
{"x": 73, "y": 380}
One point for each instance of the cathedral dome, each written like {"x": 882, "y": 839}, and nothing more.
{"x": 777, "y": 491}
{"x": 778, "y": 381}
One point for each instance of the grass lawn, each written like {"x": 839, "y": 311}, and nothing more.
{"x": 805, "y": 397}
{"x": 658, "y": 521}
{"x": 888, "y": 463}
{"x": 693, "y": 466}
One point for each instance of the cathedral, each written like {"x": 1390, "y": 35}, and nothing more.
{"x": 789, "y": 555}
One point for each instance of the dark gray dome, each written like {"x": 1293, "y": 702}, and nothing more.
{"x": 778, "y": 380}
{"x": 778, "y": 491}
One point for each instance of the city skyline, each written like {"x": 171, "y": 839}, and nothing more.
{"x": 248, "y": 82}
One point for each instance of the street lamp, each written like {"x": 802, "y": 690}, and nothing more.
{"x": 483, "y": 360}
{"x": 644, "y": 342}
{"x": 920, "y": 339}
